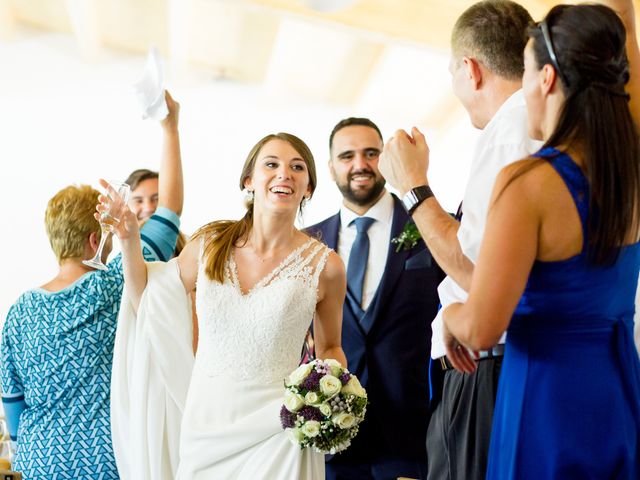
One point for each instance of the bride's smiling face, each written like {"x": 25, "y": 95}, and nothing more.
{"x": 280, "y": 177}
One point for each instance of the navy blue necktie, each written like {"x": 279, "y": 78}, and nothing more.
{"x": 358, "y": 258}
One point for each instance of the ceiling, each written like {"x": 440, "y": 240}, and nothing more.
{"x": 371, "y": 52}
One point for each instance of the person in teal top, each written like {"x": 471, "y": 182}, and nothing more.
{"x": 58, "y": 339}
{"x": 560, "y": 260}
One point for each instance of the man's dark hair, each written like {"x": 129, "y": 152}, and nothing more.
{"x": 348, "y": 122}
{"x": 495, "y": 32}
{"x": 138, "y": 176}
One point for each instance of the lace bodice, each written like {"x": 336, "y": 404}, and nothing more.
{"x": 258, "y": 335}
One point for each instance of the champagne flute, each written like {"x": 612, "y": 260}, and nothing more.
{"x": 118, "y": 196}
{"x": 6, "y": 446}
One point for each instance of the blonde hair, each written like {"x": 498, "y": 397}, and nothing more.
{"x": 221, "y": 236}
{"x": 69, "y": 220}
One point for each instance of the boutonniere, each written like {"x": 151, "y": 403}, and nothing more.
{"x": 408, "y": 238}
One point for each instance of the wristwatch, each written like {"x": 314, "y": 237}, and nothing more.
{"x": 415, "y": 197}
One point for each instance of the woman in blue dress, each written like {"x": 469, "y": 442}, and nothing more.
{"x": 560, "y": 260}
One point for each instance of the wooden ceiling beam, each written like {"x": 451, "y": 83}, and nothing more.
{"x": 327, "y": 64}
{"x": 231, "y": 40}
{"x": 7, "y": 21}
{"x": 180, "y": 20}
{"x": 83, "y": 15}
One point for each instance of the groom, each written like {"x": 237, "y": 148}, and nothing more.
{"x": 391, "y": 298}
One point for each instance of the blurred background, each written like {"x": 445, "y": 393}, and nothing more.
{"x": 239, "y": 68}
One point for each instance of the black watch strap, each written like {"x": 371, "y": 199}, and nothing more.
{"x": 415, "y": 197}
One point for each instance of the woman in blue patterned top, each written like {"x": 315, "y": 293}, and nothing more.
{"x": 57, "y": 342}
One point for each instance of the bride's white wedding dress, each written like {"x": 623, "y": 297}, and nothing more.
{"x": 248, "y": 343}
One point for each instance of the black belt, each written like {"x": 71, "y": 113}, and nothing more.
{"x": 497, "y": 351}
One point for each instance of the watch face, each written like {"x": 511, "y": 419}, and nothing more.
{"x": 415, "y": 197}
{"x": 409, "y": 200}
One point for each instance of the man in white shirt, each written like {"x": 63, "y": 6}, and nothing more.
{"x": 488, "y": 41}
{"x": 391, "y": 298}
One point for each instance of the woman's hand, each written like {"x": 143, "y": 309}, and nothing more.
{"x": 457, "y": 353}
{"x": 170, "y": 122}
{"x": 113, "y": 210}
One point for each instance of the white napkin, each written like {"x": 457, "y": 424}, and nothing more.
{"x": 150, "y": 89}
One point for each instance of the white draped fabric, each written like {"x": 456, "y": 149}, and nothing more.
{"x": 152, "y": 363}
{"x": 217, "y": 418}
{"x": 238, "y": 434}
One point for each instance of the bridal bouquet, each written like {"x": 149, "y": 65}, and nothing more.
{"x": 323, "y": 405}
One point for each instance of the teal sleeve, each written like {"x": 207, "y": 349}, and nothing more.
{"x": 13, "y": 408}
{"x": 159, "y": 235}
{"x": 12, "y": 390}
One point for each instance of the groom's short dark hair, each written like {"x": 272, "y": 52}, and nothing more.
{"x": 348, "y": 122}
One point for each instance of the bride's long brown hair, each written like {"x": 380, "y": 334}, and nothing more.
{"x": 222, "y": 235}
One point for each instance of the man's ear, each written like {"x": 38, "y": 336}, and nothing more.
{"x": 473, "y": 71}
{"x": 331, "y": 170}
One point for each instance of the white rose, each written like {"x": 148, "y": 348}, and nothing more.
{"x": 293, "y": 401}
{"x": 311, "y": 398}
{"x": 299, "y": 374}
{"x": 325, "y": 409}
{"x": 311, "y": 428}
{"x": 354, "y": 388}
{"x": 344, "y": 420}
{"x": 295, "y": 435}
{"x": 330, "y": 385}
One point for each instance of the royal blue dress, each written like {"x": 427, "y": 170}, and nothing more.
{"x": 568, "y": 403}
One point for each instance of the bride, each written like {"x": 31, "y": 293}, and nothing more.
{"x": 260, "y": 283}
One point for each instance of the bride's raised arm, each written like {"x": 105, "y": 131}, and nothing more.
{"x": 134, "y": 266}
{"x": 327, "y": 324}
{"x": 128, "y": 232}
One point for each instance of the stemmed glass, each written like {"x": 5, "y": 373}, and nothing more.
{"x": 6, "y": 446}
{"x": 4, "y": 430}
{"x": 117, "y": 197}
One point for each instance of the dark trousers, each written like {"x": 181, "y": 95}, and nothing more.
{"x": 380, "y": 469}
{"x": 460, "y": 427}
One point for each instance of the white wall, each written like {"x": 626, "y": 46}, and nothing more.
{"x": 63, "y": 121}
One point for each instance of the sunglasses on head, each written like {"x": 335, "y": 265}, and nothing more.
{"x": 546, "y": 34}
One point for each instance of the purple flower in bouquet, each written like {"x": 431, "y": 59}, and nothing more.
{"x": 311, "y": 413}
{"x": 312, "y": 381}
{"x": 287, "y": 419}
{"x": 322, "y": 368}
{"x": 345, "y": 377}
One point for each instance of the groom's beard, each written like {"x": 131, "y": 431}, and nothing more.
{"x": 362, "y": 196}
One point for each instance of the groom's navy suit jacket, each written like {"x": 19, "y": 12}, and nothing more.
{"x": 389, "y": 348}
